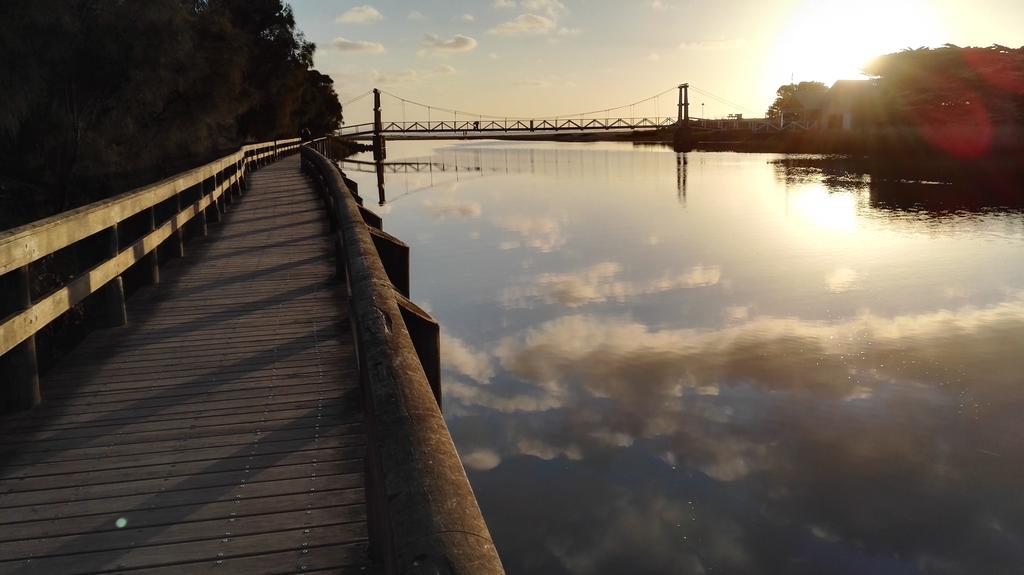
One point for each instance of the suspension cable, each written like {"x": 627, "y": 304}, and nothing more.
{"x": 357, "y": 98}
{"x": 605, "y": 111}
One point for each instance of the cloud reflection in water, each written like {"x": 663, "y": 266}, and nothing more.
{"x": 832, "y": 441}
{"x": 603, "y": 282}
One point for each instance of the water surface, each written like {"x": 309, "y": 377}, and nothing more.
{"x": 721, "y": 363}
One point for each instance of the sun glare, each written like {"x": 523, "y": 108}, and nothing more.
{"x": 828, "y": 40}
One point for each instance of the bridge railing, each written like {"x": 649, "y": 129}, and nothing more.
{"x": 756, "y": 124}
{"x": 422, "y": 513}
{"x": 510, "y": 125}
{"x": 104, "y": 240}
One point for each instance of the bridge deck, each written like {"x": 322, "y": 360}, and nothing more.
{"x": 220, "y": 432}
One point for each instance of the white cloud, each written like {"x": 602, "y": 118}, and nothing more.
{"x": 457, "y": 356}
{"x": 481, "y": 459}
{"x": 444, "y": 208}
{"x": 533, "y": 83}
{"x": 736, "y": 313}
{"x": 524, "y": 25}
{"x": 553, "y": 9}
{"x": 416, "y": 15}
{"x": 411, "y": 76}
{"x": 504, "y": 4}
{"x": 832, "y": 359}
{"x": 543, "y": 234}
{"x": 659, "y": 6}
{"x": 468, "y": 18}
{"x": 712, "y": 45}
{"x": 601, "y": 282}
{"x": 434, "y": 44}
{"x": 345, "y": 45}
{"x": 360, "y": 15}
{"x": 540, "y": 17}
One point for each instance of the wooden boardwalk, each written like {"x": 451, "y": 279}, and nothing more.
{"x": 221, "y": 431}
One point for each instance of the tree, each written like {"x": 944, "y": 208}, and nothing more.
{"x": 102, "y": 95}
{"x": 794, "y": 100}
{"x": 944, "y": 84}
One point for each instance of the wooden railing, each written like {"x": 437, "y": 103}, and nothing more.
{"x": 423, "y": 516}
{"x": 126, "y": 230}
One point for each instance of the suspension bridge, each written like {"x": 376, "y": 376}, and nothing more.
{"x": 433, "y": 121}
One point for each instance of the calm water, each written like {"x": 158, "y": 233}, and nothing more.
{"x": 721, "y": 363}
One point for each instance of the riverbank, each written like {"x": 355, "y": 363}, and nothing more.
{"x": 950, "y": 154}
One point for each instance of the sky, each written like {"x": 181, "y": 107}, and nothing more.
{"x": 543, "y": 58}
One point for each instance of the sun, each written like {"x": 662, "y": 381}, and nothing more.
{"x": 828, "y": 40}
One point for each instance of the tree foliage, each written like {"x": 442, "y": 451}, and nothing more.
{"x": 101, "y": 94}
{"x": 792, "y": 100}
{"x": 950, "y": 84}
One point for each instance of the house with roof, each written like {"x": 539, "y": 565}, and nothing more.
{"x": 849, "y": 105}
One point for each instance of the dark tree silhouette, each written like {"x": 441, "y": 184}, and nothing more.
{"x": 793, "y": 99}
{"x": 951, "y": 83}
{"x": 101, "y": 95}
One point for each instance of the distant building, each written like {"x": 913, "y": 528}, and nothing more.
{"x": 849, "y": 105}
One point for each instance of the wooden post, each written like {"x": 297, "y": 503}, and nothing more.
{"x": 151, "y": 262}
{"x": 213, "y": 211}
{"x": 200, "y": 218}
{"x": 394, "y": 254}
{"x": 110, "y": 310}
{"x": 425, "y": 334}
{"x": 225, "y": 197}
{"x": 240, "y": 170}
{"x": 19, "y": 370}
{"x": 178, "y": 239}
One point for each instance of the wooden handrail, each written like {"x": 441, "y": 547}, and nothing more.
{"x": 422, "y": 513}
{"x": 21, "y": 246}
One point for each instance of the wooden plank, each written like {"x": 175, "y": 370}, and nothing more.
{"x": 131, "y": 536}
{"x": 221, "y": 386}
{"x": 335, "y": 559}
{"x": 190, "y": 417}
{"x": 184, "y": 515}
{"x": 246, "y": 476}
{"x": 265, "y": 419}
{"x": 91, "y": 475}
{"x": 112, "y": 440}
{"x": 125, "y": 506}
{"x": 222, "y": 549}
{"x": 290, "y": 357}
{"x": 241, "y": 441}
{"x": 342, "y": 445}
{"x": 54, "y": 418}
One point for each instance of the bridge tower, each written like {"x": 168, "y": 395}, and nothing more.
{"x": 684, "y": 104}
{"x": 682, "y": 141}
{"x": 379, "y": 153}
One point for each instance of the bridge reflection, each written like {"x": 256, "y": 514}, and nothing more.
{"x": 454, "y": 164}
